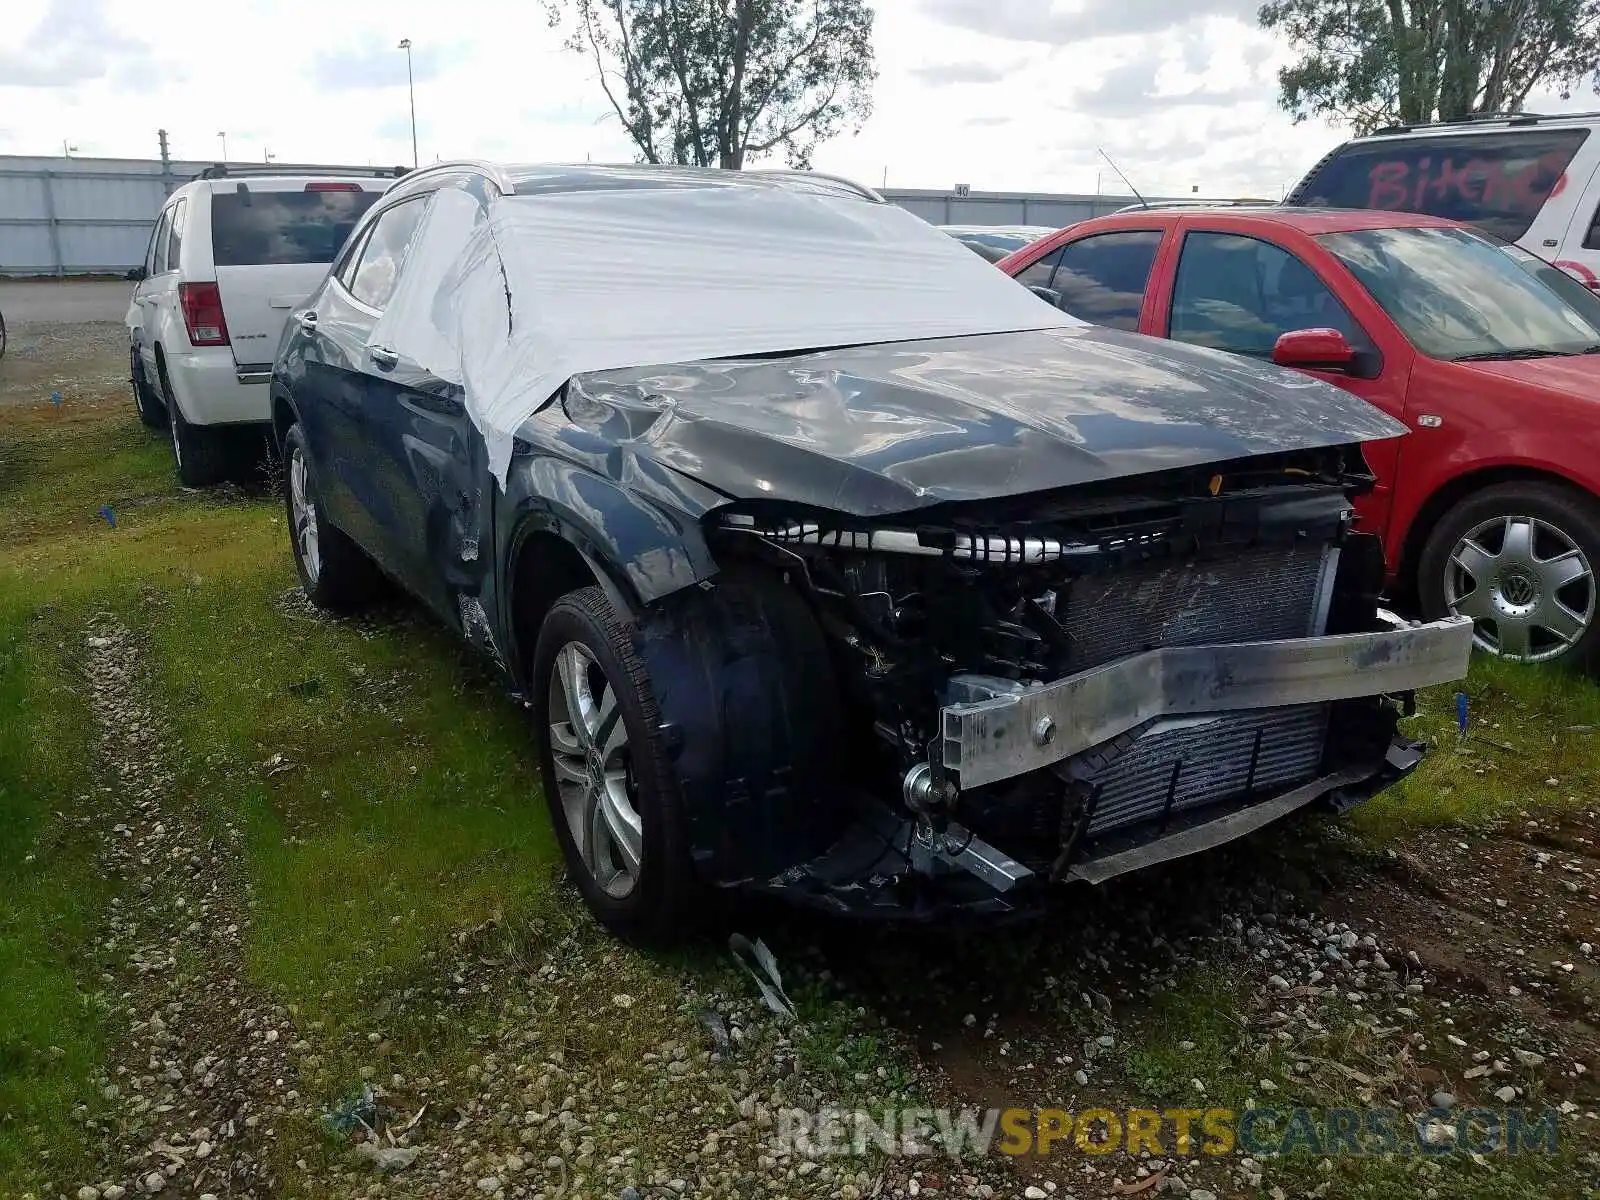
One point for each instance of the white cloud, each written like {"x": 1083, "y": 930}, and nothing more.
{"x": 1001, "y": 94}
{"x": 71, "y": 44}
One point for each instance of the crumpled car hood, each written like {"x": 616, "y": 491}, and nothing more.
{"x": 879, "y": 429}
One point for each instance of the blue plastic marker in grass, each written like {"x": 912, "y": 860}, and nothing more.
{"x": 55, "y": 398}
{"x": 1461, "y": 713}
{"x": 111, "y": 517}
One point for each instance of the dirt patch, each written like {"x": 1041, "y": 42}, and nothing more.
{"x": 77, "y": 361}
{"x": 197, "y": 1082}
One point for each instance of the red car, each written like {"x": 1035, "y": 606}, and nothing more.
{"x": 1491, "y": 356}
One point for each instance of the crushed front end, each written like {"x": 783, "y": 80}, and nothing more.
{"x": 1074, "y": 685}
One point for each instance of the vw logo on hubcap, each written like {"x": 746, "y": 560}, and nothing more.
{"x": 1517, "y": 589}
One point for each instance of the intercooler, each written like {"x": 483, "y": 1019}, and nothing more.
{"x": 1257, "y": 594}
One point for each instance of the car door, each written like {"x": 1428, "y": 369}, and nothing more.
{"x": 141, "y": 298}
{"x": 1240, "y": 292}
{"x": 415, "y": 463}
{"x": 342, "y": 427}
{"x": 159, "y": 286}
{"x": 1102, "y": 278}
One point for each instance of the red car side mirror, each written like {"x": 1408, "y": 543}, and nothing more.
{"x": 1314, "y": 349}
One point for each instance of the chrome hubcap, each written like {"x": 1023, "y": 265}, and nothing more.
{"x": 1526, "y": 584}
{"x": 304, "y": 515}
{"x": 594, "y": 772}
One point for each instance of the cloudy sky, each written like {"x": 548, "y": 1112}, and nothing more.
{"x": 998, "y": 94}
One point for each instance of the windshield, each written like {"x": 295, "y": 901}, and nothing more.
{"x": 1457, "y": 295}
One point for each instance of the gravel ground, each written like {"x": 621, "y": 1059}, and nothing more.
{"x": 199, "y": 1080}
{"x": 77, "y": 360}
{"x": 67, "y": 301}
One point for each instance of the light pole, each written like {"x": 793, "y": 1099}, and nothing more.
{"x": 267, "y": 156}
{"x": 411, "y": 89}
{"x": 224, "y": 136}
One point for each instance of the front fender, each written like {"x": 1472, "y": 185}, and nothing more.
{"x": 640, "y": 550}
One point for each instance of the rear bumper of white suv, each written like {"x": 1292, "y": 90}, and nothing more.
{"x": 212, "y": 389}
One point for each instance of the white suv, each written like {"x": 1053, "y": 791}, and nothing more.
{"x": 233, "y": 252}
{"x": 1528, "y": 178}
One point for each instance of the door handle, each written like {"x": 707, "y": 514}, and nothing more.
{"x": 306, "y": 320}
{"x": 383, "y": 357}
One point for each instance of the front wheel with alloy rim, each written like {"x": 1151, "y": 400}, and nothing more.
{"x": 334, "y": 572}
{"x": 607, "y": 777}
{"x": 1520, "y": 559}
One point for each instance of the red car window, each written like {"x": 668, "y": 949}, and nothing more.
{"x": 1102, "y": 278}
{"x": 1241, "y": 294}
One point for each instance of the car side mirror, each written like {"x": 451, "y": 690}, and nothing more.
{"x": 137, "y": 275}
{"x": 1048, "y": 295}
{"x": 1314, "y": 350}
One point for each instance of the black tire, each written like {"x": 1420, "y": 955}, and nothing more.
{"x": 199, "y": 452}
{"x": 723, "y": 694}
{"x": 342, "y": 577}
{"x": 2, "y": 335}
{"x": 152, "y": 412}
{"x": 661, "y": 902}
{"x": 1560, "y": 518}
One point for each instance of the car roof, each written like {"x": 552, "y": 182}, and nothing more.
{"x": 534, "y": 178}
{"x": 1310, "y": 221}
{"x": 1488, "y": 123}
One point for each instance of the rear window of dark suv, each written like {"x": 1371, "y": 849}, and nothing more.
{"x": 256, "y": 228}
{"x": 1497, "y": 180}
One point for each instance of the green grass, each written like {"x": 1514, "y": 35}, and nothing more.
{"x": 407, "y": 812}
{"x": 1527, "y": 727}
{"x": 49, "y": 1037}
{"x": 56, "y": 469}
{"x": 384, "y": 779}
{"x": 384, "y": 789}
{"x": 1192, "y": 1033}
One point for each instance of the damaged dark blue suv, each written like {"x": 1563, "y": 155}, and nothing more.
{"x": 831, "y": 562}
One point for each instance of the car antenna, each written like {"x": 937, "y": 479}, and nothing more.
{"x": 1142, "y": 201}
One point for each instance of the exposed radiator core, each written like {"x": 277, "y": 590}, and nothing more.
{"x": 1238, "y": 595}
{"x": 1250, "y": 595}
{"x": 1246, "y": 595}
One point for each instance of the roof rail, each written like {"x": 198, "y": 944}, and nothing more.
{"x": 1510, "y": 118}
{"x": 237, "y": 171}
{"x": 1240, "y": 202}
{"x": 860, "y": 189}
{"x": 494, "y": 172}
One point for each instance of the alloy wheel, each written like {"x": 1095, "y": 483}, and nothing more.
{"x": 304, "y": 515}
{"x": 593, "y": 771}
{"x": 1525, "y": 583}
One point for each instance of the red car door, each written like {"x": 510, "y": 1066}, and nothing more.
{"x": 1239, "y": 286}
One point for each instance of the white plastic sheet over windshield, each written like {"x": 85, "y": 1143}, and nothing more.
{"x": 512, "y": 301}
